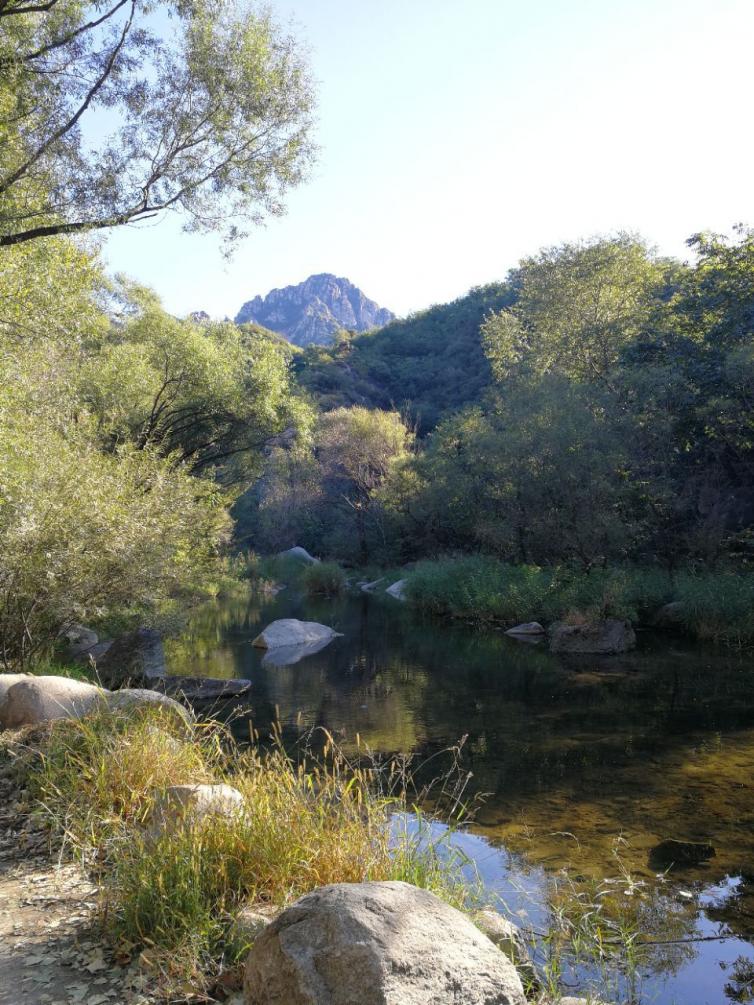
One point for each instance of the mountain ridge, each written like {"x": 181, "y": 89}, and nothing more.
{"x": 311, "y": 312}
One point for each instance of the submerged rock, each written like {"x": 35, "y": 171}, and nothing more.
{"x": 300, "y": 554}
{"x": 671, "y": 853}
{"x": 605, "y": 637}
{"x": 135, "y": 658}
{"x": 397, "y": 590}
{"x": 290, "y": 632}
{"x": 371, "y": 587}
{"x": 377, "y": 944}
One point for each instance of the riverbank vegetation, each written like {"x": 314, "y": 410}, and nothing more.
{"x": 714, "y": 606}
{"x": 176, "y": 891}
{"x": 612, "y": 433}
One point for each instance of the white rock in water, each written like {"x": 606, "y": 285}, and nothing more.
{"x": 299, "y": 553}
{"x": 529, "y": 628}
{"x": 290, "y": 632}
{"x": 397, "y": 590}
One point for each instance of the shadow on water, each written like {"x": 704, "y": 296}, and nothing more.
{"x": 572, "y": 756}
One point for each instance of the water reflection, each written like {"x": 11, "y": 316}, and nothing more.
{"x": 574, "y": 754}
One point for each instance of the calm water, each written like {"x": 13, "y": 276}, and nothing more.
{"x": 585, "y": 764}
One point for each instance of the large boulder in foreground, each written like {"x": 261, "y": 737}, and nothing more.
{"x": 290, "y": 632}
{"x": 377, "y": 944}
{"x": 39, "y": 699}
{"x": 30, "y": 701}
{"x": 7, "y": 680}
{"x": 136, "y": 658}
{"x": 602, "y": 638}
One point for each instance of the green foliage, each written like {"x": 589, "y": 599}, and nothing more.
{"x": 323, "y": 492}
{"x": 424, "y": 365}
{"x": 176, "y": 892}
{"x": 576, "y": 307}
{"x": 325, "y": 579}
{"x": 210, "y": 115}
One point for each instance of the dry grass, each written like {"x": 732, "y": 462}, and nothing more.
{"x": 176, "y": 894}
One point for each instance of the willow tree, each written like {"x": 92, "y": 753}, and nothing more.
{"x": 115, "y": 112}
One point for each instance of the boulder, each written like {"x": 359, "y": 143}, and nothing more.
{"x": 7, "y": 680}
{"x": 397, "y": 590}
{"x": 181, "y": 804}
{"x": 135, "y": 658}
{"x": 529, "y": 628}
{"x": 371, "y": 587}
{"x": 249, "y": 924}
{"x": 300, "y": 554}
{"x": 290, "y": 632}
{"x": 203, "y": 688}
{"x": 377, "y": 944}
{"x": 137, "y": 697}
{"x": 79, "y": 640}
{"x": 37, "y": 699}
{"x": 671, "y": 853}
{"x": 509, "y": 940}
{"x": 604, "y": 637}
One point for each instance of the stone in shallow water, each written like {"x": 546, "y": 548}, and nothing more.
{"x": 605, "y": 637}
{"x": 291, "y": 632}
{"x": 671, "y": 853}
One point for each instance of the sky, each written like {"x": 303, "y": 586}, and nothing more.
{"x": 458, "y": 136}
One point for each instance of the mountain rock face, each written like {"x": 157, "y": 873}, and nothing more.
{"x": 311, "y": 313}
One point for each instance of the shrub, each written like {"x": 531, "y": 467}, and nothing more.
{"x": 325, "y": 579}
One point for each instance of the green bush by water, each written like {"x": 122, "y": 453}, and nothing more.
{"x": 325, "y": 579}
{"x": 714, "y": 605}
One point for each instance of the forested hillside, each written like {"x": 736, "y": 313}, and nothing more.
{"x": 596, "y": 408}
{"x": 423, "y": 366}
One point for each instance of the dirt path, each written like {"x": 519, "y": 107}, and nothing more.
{"x": 49, "y": 952}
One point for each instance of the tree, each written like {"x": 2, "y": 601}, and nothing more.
{"x": 210, "y": 396}
{"x": 577, "y": 306}
{"x": 209, "y": 107}
{"x": 357, "y": 448}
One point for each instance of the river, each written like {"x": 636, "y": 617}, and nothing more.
{"x": 584, "y": 764}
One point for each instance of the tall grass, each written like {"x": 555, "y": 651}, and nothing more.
{"x": 325, "y": 579}
{"x": 717, "y": 605}
{"x": 177, "y": 892}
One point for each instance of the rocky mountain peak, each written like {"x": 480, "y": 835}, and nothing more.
{"x": 313, "y": 311}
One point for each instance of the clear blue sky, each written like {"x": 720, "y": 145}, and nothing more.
{"x": 460, "y": 135}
